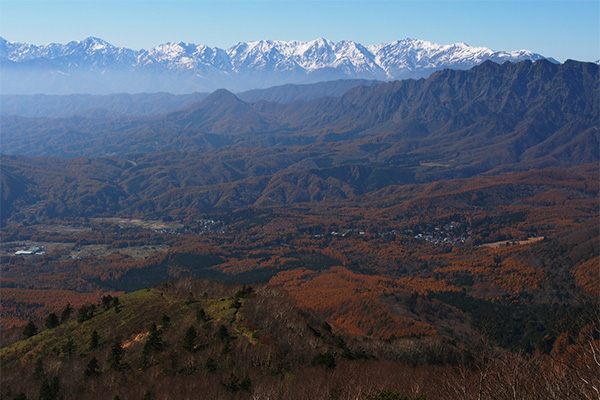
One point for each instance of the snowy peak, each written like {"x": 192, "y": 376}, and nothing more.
{"x": 92, "y": 44}
{"x": 91, "y": 53}
{"x": 402, "y": 57}
{"x": 185, "y": 67}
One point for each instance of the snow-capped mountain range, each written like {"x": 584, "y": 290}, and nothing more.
{"x": 95, "y": 66}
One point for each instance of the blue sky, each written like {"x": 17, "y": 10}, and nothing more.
{"x": 559, "y": 29}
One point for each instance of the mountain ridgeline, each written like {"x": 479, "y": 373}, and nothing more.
{"x": 43, "y": 105}
{"x": 97, "y": 67}
{"x": 511, "y": 115}
{"x": 224, "y": 152}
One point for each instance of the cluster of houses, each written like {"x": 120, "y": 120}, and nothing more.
{"x": 450, "y": 233}
{"x": 342, "y": 233}
{"x": 454, "y": 233}
{"x": 198, "y": 228}
{"x": 206, "y": 226}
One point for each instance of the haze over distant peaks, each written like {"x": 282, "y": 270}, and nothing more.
{"x": 97, "y": 67}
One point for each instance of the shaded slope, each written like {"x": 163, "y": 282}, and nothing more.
{"x": 220, "y": 113}
{"x": 289, "y": 93}
{"x": 525, "y": 115}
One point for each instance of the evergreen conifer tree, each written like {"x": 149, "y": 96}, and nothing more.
{"x": 115, "y": 358}
{"x": 106, "y": 302}
{"x": 165, "y": 321}
{"x": 189, "y": 340}
{"x": 92, "y": 368}
{"x": 66, "y": 314}
{"x": 117, "y": 305}
{"x": 201, "y": 315}
{"x": 94, "y": 339}
{"x": 52, "y": 321}
{"x": 222, "y": 333}
{"x": 49, "y": 390}
{"x": 69, "y": 348}
{"x": 30, "y": 330}
{"x": 154, "y": 342}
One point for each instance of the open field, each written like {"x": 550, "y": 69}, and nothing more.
{"x": 70, "y": 250}
{"x": 138, "y": 223}
{"x": 137, "y": 252}
{"x": 501, "y": 243}
{"x": 62, "y": 229}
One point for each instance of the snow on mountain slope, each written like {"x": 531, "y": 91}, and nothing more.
{"x": 91, "y": 53}
{"x": 408, "y": 57}
{"x": 185, "y": 67}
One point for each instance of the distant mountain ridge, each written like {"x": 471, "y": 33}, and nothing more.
{"x": 55, "y": 106}
{"x": 96, "y": 67}
{"x": 525, "y": 115}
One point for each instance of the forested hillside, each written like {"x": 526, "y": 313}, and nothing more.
{"x": 189, "y": 337}
{"x": 493, "y": 116}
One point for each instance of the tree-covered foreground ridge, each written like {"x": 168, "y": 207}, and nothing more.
{"x": 190, "y": 339}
